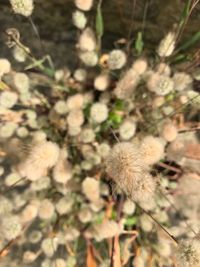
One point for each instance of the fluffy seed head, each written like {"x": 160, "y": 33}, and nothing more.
{"x": 90, "y": 187}
{"x": 140, "y": 66}
{"x": 8, "y": 99}
{"x": 188, "y": 253}
{"x": 182, "y": 81}
{"x": 75, "y": 102}
{"x": 79, "y": 19}
{"x": 10, "y": 227}
{"x": 167, "y": 45}
{"x": 163, "y": 69}
{"x": 160, "y": 84}
{"x": 169, "y": 132}
{"x": 84, "y": 5}
{"x": 127, "y": 84}
{"x": 62, "y": 172}
{"x": 152, "y": 150}
{"x": 5, "y": 66}
{"x": 99, "y": 112}
{"x": 46, "y": 210}
{"x": 107, "y": 229}
{"x": 101, "y": 82}
{"x": 22, "y": 7}
{"x": 89, "y": 58}
{"x": 117, "y": 59}
{"x": 42, "y": 156}
{"x": 75, "y": 118}
{"x": 127, "y": 130}
{"x": 87, "y": 40}
{"x": 21, "y": 81}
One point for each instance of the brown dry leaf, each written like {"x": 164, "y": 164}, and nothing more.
{"x": 91, "y": 262}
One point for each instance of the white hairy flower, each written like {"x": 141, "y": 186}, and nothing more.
{"x": 19, "y": 54}
{"x": 99, "y": 112}
{"x": 22, "y": 7}
{"x": 107, "y": 229}
{"x": 80, "y": 75}
{"x": 62, "y": 171}
{"x": 8, "y": 99}
{"x": 182, "y": 81}
{"x": 84, "y": 5}
{"x": 75, "y": 118}
{"x": 21, "y": 81}
{"x": 188, "y": 253}
{"x": 91, "y": 189}
{"x": 152, "y": 149}
{"x": 49, "y": 246}
{"x": 5, "y": 66}
{"x": 79, "y": 19}
{"x": 89, "y": 58}
{"x": 64, "y": 205}
{"x": 46, "y": 209}
{"x": 117, "y": 59}
{"x": 160, "y": 84}
{"x": 127, "y": 130}
{"x": 140, "y": 66}
{"x": 167, "y": 45}
{"x": 10, "y": 227}
{"x": 102, "y": 82}
{"x": 61, "y": 107}
{"x": 87, "y": 40}
{"x": 75, "y": 102}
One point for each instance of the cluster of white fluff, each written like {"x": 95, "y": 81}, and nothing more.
{"x": 22, "y": 7}
{"x": 188, "y": 253}
{"x": 125, "y": 166}
{"x": 42, "y": 156}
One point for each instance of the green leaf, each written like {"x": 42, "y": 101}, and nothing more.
{"x": 139, "y": 45}
{"x": 131, "y": 221}
{"x": 190, "y": 42}
{"x": 99, "y": 22}
{"x": 185, "y": 13}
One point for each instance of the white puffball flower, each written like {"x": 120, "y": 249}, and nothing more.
{"x": 62, "y": 171}
{"x": 41, "y": 184}
{"x": 80, "y": 75}
{"x": 21, "y": 81}
{"x": 8, "y": 129}
{"x": 5, "y": 66}
{"x": 89, "y": 58}
{"x": 152, "y": 149}
{"x": 84, "y": 5}
{"x": 42, "y": 156}
{"x": 146, "y": 223}
{"x": 102, "y": 82}
{"x": 12, "y": 178}
{"x": 140, "y": 66}
{"x": 103, "y": 150}
{"x": 169, "y": 132}
{"x": 167, "y": 45}
{"x": 61, "y": 107}
{"x": 22, "y": 132}
{"x": 182, "y": 81}
{"x": 79, "y": 19}
{"x": 117, "y": 59}
{"x": 99, "y": 112}
{"x": 188, "y": 253}
{"x": 8, "y": 99}
{"x": 127, "y": 130}
{"x": 46, "y": 209}
{"x": 87, "y": 40}
{"x": 75, "y": 118}
{"x": 74, "y": 131}
{"x": 106, "y": 230}
{"x": 10, "y": 227}
{"x": 71, "y": 234}
{"x": 6, "y": 206}
{"x": 160, "y": 84}
{"x": 35, "y": 236}
{"x": 19, "y": 54}
{"x": 49, "y": 246}
{"x": 22, "y": 7}
{"x": 127, "y": 84}
{"x": 87, "y": 135}
{"x": 75, "y": 102}
{"x": 64, "y": 205}
{"x": 129, "y": 207}
{"x": 29, "y": 256}
{"x": 164, "y": 249}
{"x": 85, "y": 215}
{"x": 29, "y": 213}
{"x": 91, "y": 189}
{"x": 59, "y": 263}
